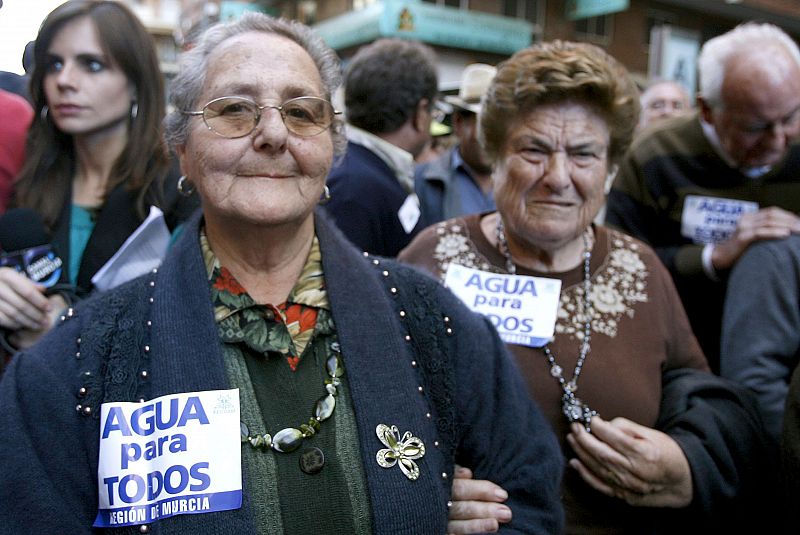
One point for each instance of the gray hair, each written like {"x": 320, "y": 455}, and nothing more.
{"x": 717, "y": 52}
{"x": 188, "y": 84}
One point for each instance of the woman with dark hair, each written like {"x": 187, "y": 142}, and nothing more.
{"x": 96, "y": 160}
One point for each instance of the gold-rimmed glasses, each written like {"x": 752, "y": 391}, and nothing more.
{"x": 234, "y": 117}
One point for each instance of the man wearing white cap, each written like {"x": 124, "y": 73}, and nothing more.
{"x": 459, "y": 181}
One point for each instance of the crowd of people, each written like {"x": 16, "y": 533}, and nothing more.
{"x": 581, "y": 318}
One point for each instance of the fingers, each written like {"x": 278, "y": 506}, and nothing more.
{"x": 477, "y": 490}
{"x": 476, "y": 505}
{"x": 621, "y": 469}
{"x": 765, "y": 224}
{"x": 474, "y": 510}
{"x": 593, "y": 480}
{"x": 22, "y": 304}
{"x": 614, "y": 491}
{"x": 462, "y": 472}
{"x": 772, "y": 222}
{"x": 483, "y": 525}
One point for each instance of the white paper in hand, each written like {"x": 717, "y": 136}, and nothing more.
{"x": 142, "y": 251}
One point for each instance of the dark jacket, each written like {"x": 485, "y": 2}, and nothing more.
{"x": 472, "y": 410}
{"x": 365, "y": 200}
{"x": 116, "y": 221}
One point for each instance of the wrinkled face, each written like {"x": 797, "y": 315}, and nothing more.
{"x": 760, "y": 112}
{"x": 271, "y": 176}
{"x": 662, "y": 101}
{"x": 549, "y": 179}
{"x": 85, "y": 90}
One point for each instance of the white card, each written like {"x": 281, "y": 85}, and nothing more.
{"x": 712, "y": 219}
{"x": 522, "y": 309}
{"x": 177, "y": 454}
{"x": 409, "y": 213}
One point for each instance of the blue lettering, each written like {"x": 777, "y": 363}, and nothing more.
{"x": 203, "y": 479}
{"x": 154, "y": 448}
{"x": 527, "y": 325}
{"x": 173, "y": 414}
{"x": 496, "y": 284}
{"x": 136, "y": 424}
{"x": 182, "y": 482}
{"x": 508, "y": 285}
{"x": 116, "y": 422}
{"x": 528, "y": 287}
{"x": 510, "y": 323}
{"x": 474, "y": 280}
{"x": 155, "y": 483}
{"x": 178, "y": 443}
{"x": 123, "y": 488}
{"x": 129, "y": 452}
{"x": 110, "y": 481}
{"x": 193, "y": 411}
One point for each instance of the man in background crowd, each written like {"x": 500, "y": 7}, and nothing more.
{"x": 663, "y": 99}
{"x": 701, "y": 189}
{"x": 389, "y": 90}
{"x": 459, "y": 182}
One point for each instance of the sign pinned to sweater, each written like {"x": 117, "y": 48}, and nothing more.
{"x": 522, "y": 309}
{"x": 177, "y": 454}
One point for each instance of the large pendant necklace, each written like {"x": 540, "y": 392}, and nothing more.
{"x": 573, "y": 408}
{"x": 289, "y": 439}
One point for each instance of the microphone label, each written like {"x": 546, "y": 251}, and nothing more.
{"x": 40, "y": 264}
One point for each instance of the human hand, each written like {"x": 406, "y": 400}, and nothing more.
{"x": 632, "y": 462}
{"x": 765, "y": 224}
{"x": 22, "y": 302}
{"x": 477, "y": 505}
{"x": 24, "y": 338}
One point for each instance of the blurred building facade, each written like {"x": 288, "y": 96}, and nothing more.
{"x": 651, "y": 37}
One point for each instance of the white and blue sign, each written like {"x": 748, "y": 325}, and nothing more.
{"x": 173, "y": 455}
{"x": 522, "y": 309}
{"x": 712, "y": 219}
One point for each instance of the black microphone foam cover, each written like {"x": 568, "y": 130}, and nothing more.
{"x": 22, "y": 228}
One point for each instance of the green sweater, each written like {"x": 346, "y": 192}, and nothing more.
{"x": 661, "y": 168}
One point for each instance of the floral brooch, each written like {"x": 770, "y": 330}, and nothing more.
{"x": 403, "y": 451}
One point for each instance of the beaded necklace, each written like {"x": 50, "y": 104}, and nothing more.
{"x": 573, "y": 408}
{"x": 289, "y": 439}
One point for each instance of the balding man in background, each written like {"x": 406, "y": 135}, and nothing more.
{"x": 702, "y": 188}
{"x": 661, "y": 100}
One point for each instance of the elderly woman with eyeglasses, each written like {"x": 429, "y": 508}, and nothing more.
{"x": 360, "y": 383}
{"x": 656, "y": 444}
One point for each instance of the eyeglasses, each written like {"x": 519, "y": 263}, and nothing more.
{"x": 234, "y": 117}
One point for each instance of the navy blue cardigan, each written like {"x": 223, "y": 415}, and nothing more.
{"x": 474, "y": 404}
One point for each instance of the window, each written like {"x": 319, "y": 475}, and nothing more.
{"x": 595, "y": 29}
{"x": 530, "y": 10}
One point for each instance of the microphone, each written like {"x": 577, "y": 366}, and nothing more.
{"x": 26, "y": 247}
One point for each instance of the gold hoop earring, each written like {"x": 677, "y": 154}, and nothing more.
{"x": 326, "y": 195}
{"x": 185, "y": 187}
